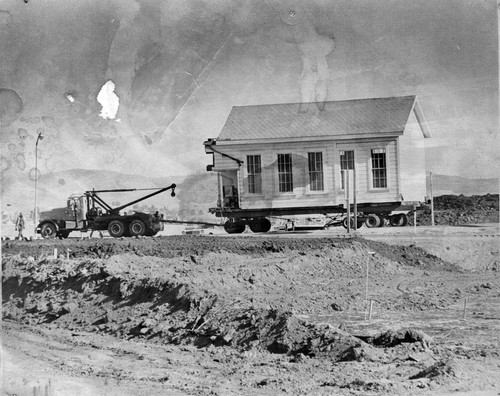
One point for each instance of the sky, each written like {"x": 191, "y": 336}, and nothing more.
{"x": 179, "y": 66}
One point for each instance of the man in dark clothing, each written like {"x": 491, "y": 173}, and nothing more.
{"x": 20, "y": 226}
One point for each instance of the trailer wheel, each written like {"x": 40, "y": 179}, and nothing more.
{"x": 260, "y": 224}
{"x": 372, "y": 221}
{"x": 234, "y": 227}
{"x": 48, "y": 231}
{"x": 137, "y": 228}
{"x": 396, "y": 220}
{"x": 359, "y": 223}
{"x": 116, "y": 228}
{"x": 344, "y": 223}
{"x": 405, "y": 220}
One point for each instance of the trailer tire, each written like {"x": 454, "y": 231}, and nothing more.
{"x": 372, "y": 221}
{"x": 48, "y": 231}
{"x": 399, "y": 220}
{"x": 234, "y": 227}
{"x": 137, "y": 228}
{"x": 116, "y": 228}
{"x": 260, "y": 224}
{"x": 344, "y": 223}
{"x": 405, "y": 220}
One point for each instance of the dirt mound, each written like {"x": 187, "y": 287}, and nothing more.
{"x": 460, "y": 210}
{"x": 219, "y": 298}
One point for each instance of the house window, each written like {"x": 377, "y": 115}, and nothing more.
{"x": 316, "y": 171}
{"x": 379, "y": 168}
{"x": 285, "y": 179}
{"x": 254, "y": 174}
{"x": 346, "y": 162}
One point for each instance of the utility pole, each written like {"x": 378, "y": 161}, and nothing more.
{"x": 354, "y": 200}
{"x": 39, "y": 137}
{"x": 347, "y": 199}
{"x": 432, "y": 200}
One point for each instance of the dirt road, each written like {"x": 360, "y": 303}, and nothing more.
{"x": 284, "y": 314}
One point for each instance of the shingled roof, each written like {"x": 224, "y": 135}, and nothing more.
{"x": 346, "y": 117}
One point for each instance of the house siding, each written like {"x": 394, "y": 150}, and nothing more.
{"x": 412, "y": 161}
{"x": 270, "y": 197}
{"x": 363, "y": 164}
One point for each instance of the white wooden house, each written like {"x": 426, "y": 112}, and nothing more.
{"x": 274, "y": 157}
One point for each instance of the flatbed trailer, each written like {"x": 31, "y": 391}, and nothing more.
{"x": 370, "y": 214}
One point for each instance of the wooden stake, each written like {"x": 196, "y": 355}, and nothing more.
{"x": 371, "y": 308}
{"x": 414, "y": 219}
{"x": 55, "y": 253}
{"x": 465, "y": 308}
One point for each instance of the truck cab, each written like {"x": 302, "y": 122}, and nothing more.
{"x": 59, "y": 222}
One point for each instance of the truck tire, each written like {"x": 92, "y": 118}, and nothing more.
{"x": 137, "y": 228}
{"x": 260, "y": 224}
{"x": 116, "y": 228}
{"x": 63, "y": 234}
{"x": 372, "y": 221}
{"x": 48, "y": 231}
{"x": 234, "y": 227}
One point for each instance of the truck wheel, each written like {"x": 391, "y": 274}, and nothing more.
{"x": 116, "y": 228}
{"x": 260, "y": 224}
{"x": 48, "y": 231}
{"x": 234, "y": 227}
{"x": 63, "y": 234}
{"x": 137, "y": 228}
{"x": 372, "y": 221}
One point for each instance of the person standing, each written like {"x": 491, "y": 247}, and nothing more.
{"x": 20, "y": 226}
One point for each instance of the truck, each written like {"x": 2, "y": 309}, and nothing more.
{"x": 90, "y": 212}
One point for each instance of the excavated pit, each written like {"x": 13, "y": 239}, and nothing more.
{"x": 278, "y": 297}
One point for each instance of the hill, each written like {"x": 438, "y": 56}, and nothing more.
{"x": 456, "y": 185}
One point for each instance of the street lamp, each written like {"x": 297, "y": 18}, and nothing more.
{"x": 39, "y": 137}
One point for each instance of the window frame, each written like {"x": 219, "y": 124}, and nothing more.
{"x": 253, "y": 174}
{"x": 290, "y": 173}
{"x": 320, "y": 172}
{"x": 341, "y": 177}
{"x": 386, "y": 168}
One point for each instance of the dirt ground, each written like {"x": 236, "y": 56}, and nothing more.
{"x": 284, "y": 313}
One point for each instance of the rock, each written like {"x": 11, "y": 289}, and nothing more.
{"x": 392, "y": 338}
{"x": 70, "y": 307}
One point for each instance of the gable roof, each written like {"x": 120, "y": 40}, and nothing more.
{"x": 346, "y": 117}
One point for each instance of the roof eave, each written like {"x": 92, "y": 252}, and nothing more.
{"x": 288, "y": 139}
{"x": 424, "y": 127}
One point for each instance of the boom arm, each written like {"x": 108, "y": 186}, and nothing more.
{"x": 100, "y": 201}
